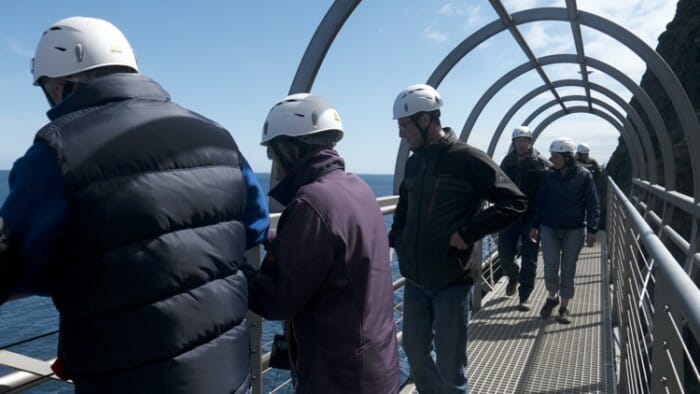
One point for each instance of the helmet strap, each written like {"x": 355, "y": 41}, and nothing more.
{"x": 423, "y": 131}
{"x": 281, "y": 156}
{"x": 48, "y": 97}
{"x": 68, "y": 88}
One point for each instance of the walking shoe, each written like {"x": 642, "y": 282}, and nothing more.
{"x": 512, "y": 286}
{"x": 548, "y": 306}
{"x": 524, "y": 306}
{"x": 564, "y": 316}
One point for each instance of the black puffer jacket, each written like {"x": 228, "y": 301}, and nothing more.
{"x": 527, "y": 174}
{"x": 147, "y": 278}
{"x": 442, "y": 192}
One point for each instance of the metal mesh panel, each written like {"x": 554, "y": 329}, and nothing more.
{"x": 519, "y": 352}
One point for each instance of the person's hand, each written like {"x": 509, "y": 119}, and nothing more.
{"x": 457, "y": 242}
{"x": 590, "y": 239}
{"x": 534, "y": 234}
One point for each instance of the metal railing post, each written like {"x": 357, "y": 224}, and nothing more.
{"x": 254, "y": 259}
{"x": 667, "y": 353}
{"x": 476, "y": 261}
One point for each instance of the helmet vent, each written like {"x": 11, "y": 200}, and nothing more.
{"x": 314, "y": 118}
{"x": 79, "y": 52}
{"x": 54, "y": 28}
{"x": 299, "y": 115}
{"x": 62, "y": 49}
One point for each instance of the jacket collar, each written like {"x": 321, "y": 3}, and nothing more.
{"x": 305, "y": 171}
{"x": 115, "y": 87}
{"x": 443, "y": 143}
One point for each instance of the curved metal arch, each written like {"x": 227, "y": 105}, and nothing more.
{"x": 525, "y": 67}
{"x": 572, "y": 110}
{"x": 633, "y": 136}
{"x": 664, "y": 138}
{"x": 341, "y": 9}
{"x": 651, "y": 111}
{"x": 628, "y": 133}
{"x": 323, "y": 37}
{"x": 654, "y": 62}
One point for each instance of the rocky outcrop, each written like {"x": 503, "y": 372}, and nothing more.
{"x": 679, "y": 45}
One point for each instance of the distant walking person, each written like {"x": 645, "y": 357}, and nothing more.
{"x": 526, "y": 168}
{"x": 586, "y": 161}
{"x": 134, "y": 214}
{"x": 566, "y": 214}
{"x": 327, "y": 270}
{"x": 438, "y": 218}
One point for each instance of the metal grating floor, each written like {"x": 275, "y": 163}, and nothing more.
{"x": 519, "y": 352}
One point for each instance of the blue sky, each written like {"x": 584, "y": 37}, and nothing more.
{"x": 232, "y": 60}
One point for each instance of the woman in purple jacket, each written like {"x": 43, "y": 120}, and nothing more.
{"x": 327, "y": 271}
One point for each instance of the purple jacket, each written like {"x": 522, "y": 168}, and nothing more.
{"x": 328, "y": 272}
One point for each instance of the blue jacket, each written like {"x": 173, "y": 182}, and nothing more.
{"x": 134, "y": 214}
{"x": 36, "y": 212}
{"x": 567, "y": 202}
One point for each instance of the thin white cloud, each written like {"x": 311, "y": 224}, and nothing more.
{"x": 458, "y": 9}
{"x": 645, "y": 18}
{"x": 547, "y": 39}
{"x": 471, "y": 13}
{"x": 446, "y": 9}
{"x": 474, "y": 17}
{"x": 15, "y": 47}
{"x": 433, "y": 35}
{"x": 519, "y": 5}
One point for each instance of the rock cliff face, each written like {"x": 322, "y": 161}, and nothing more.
{"x": 679, "y": 45}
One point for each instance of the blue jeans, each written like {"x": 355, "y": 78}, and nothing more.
{"x": 507, "y": 245}
{"x": 439, "y": 316}
{"x": 560, "y": 249}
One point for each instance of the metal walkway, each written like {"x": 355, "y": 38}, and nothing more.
{"x": 519, "y": 352}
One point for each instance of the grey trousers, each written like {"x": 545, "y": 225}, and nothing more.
{"x": 560, "y": 250}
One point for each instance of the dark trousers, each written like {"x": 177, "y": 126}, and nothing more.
{"x": 507, "y": 248}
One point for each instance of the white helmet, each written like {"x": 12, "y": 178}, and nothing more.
{"x": 522, "y": 131}
{"x": 416, "y": 98}
{"x": 583, "y": 148}
{"x": 562, "y": 145}
{"x": 299, "y": 115}
{"x": 77, "y": 44}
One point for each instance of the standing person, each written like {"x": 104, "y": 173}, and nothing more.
{"x": 438, "y": 218}
{"x": 134, "y": 214}
{"x": 565, "y": 215}
{"x": 526, "y": 168}
{"x": 327, "y": 270}
{"x": 586, "y": 161}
